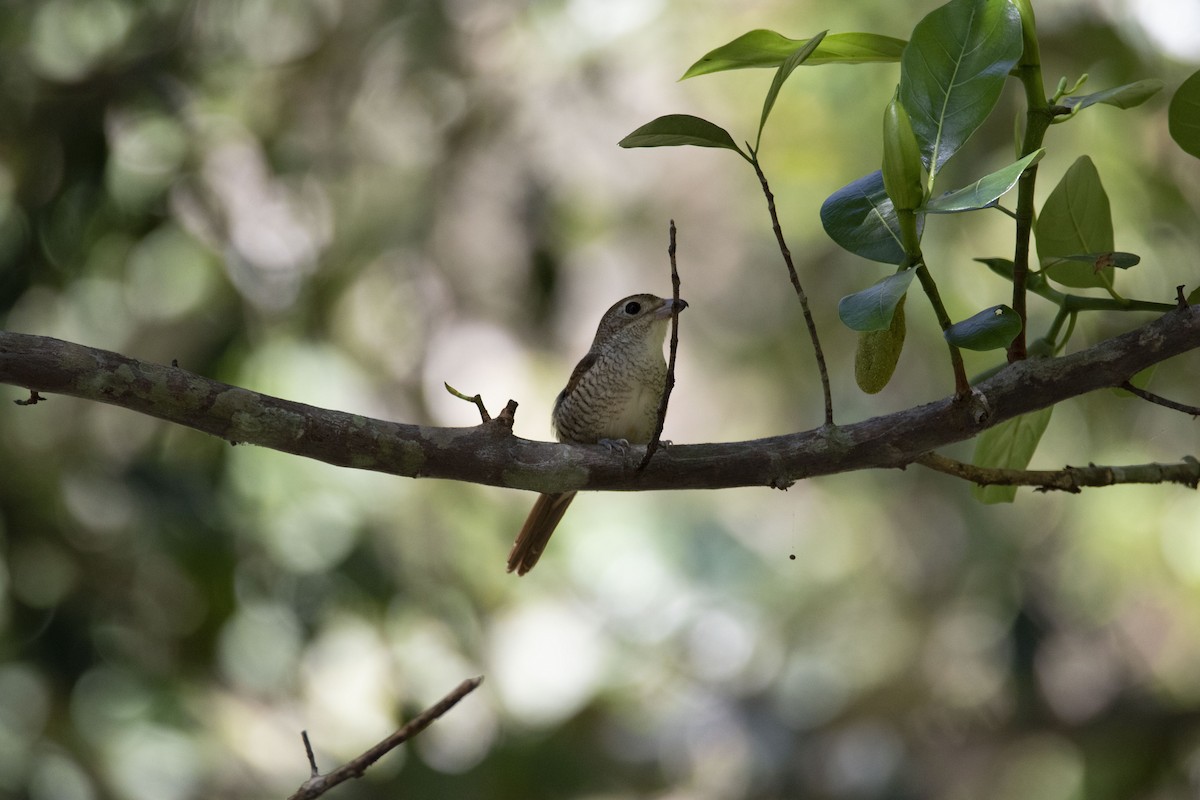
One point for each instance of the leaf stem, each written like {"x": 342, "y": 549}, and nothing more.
{"x": 1056, "y": 327}
{"x": 791, "y": 268}
{"x": 907, "y": 220}
{"x": 1039, "y": 285}
{"x": 962, "y": 387}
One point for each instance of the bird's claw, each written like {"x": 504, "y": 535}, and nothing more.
{"x": 614, "y": 445}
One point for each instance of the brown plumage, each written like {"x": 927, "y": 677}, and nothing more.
{"x": 611, "y": 398}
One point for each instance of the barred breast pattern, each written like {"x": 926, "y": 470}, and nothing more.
{"x": 617, "y": 398}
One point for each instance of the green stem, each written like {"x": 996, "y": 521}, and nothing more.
{"x": 1038, "y": 117}
{"x": 1112, "y": 291}
{"x": 1066, "y": 336}
{"x": 962, "y": 387}
{"x": 907, "y": 220}
{"x": 1077, "y": 302}
{"x": 1056, "y": 326}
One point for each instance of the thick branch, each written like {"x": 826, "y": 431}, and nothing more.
{"x": 490, "y": 454}
{"x": 1068, "y": 479}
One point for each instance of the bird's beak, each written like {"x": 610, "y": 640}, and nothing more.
{"x": 668, "y": 306}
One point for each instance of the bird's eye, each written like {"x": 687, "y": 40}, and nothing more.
{"x": 632, "y": 307}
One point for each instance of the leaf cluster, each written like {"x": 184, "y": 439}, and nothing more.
{"x": 952, "y": 70}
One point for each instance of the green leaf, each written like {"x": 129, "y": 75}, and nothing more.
{"x": 872, "y": 308}
{"x": 762, "y": 48}
{"x": 1101, "y": 260}
{"x": 785, "y": 69}
{"x": 1034, "y": 281}
{"x": 953, "y": 70}
{"x": 860, "y": 217}
{"x": 1004, "y": 267}
{"x": 878, "y": 352}
{"x": 1183, "y": 115}
{"x": 1009, "y": 445}
{"x": 675, "y": 130}
{"x": 1193, "y": 297}
{"x": 990, "y": 329}
{"x": 1128, "y": 96}
{"x": 985, "y": 191}
{"x": 1075, "y": 219}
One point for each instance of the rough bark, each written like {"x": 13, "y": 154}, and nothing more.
{"x": 490, "y": 454}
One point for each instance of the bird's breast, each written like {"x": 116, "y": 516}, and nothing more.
{"x": 615, "y": 399}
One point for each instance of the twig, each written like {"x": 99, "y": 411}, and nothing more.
{"x": 312, "y": 759}
{"x": 506, "y": 417}
{"x": 791, "y": 268}
{"x": 1159, "y": 400}
{"x": 476, "y": 399}
{"x": 652, "y": 445}
{"x": 318, "y": 784}
{"x": 1068, "y": 479}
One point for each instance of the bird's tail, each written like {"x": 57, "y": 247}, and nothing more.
{"x": 536, "y": 531}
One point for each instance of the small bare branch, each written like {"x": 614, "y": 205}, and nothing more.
{"x": 1161, "y": 401}
{"x": 476, "y": 399}
{"x": 652, "y": 445}
{"x": 800, "y": 294}
{"x": 318, "y": 784}
{"x": 1068, "y": 479}
{"x": 312, "y": 759}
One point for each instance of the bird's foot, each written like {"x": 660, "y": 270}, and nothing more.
{"x": 614, "y": 445}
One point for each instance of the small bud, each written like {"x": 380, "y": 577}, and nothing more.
{"x": 901, "y": 158}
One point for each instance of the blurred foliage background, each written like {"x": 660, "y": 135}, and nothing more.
{"x": 348, "y": 203}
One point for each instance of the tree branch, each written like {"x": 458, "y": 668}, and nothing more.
{"x": 1068, "y": 479}
{"x": 318, "y": 784}
{"x": 1160, "y": 400}
{"x": 490, "y": 454}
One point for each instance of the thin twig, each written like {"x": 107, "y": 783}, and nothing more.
{"x": 1068, "y": 479}
{"x": 652, "y": 445}
{"x": 1159, "y": 400}
{"x": 791, "y": 268}
{"x": 317, "y": 785}
{"x": 312, "y": 758}
{"x": 476, "y": 399}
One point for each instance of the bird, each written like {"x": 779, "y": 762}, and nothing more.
{"x": 611, "y": 398}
